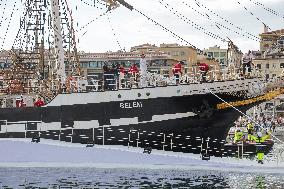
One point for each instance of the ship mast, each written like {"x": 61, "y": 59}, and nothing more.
{"x": 58, "y": 41}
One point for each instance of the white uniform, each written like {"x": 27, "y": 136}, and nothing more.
{"x": 143, "y": 72}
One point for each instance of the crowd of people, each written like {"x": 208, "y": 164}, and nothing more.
{"x": 261, "y": 122}
{"x": 256, "y": 131}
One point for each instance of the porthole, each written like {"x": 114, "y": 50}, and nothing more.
{"x": 148, "y": 94}
{"x": 139, "y": 94}
{"x": 119, "y": 96}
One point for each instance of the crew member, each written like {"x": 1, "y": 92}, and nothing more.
{"x": 246, "y": 62}
{"x": 121, "y": 73}
{"x": 106, "y": 75}
{"x": 259, "y": 150}
{"x": 39, "y": 102}
{"x": 204, "y": 68}
{"x": 177, "y": 71}
{"x": 133, "y": 71}
{"x": 238, "y": 136}
{"x": 143, "y": 71}
{"x": 250, "y": 129}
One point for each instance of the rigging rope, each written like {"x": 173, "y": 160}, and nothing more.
{"x": 5, "y": 5}
{"x": 114, "y": 34}
{"x": 219, "y": 24}
{"x": 227, "y": 21}
{"x": 84, "y": 26}
{"x": 92, "y": 5}
{"x": 267, "y": 9}
{"x": 167, "y": 30}
{"x": 244, "y": 114}
{"x": 188, "y": 21}
{"x": 150, "y": 19}
{"x": 19, "y": 37}
{"x": 8, "y": 26}
{"x": 251, "y": 13}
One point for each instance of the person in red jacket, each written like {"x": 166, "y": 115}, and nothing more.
{"x": 177, "y": 70}
{"x": 39, "y": 102}
{"x": 133, "y": 69}
{"x": 204, "y": 68}
{"x": 133, "y": 73}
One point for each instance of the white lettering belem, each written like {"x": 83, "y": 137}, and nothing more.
{"x": 129, "y": 105}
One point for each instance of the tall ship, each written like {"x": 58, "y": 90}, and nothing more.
{"x": 187, "y": 115}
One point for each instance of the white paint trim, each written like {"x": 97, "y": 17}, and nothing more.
{"x": 123, "y": 121}
{"x": 86, "y": 124}
{"x": 17, "y": 128}
{"x": 49, "y": 126}
{"x": 157, "y": 92}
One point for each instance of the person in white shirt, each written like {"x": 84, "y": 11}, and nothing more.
{"x": 143, "y": 71}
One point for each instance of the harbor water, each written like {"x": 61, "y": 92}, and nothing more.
{"x": 133, "y": 178}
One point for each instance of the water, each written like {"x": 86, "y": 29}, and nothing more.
{"x": 132, "y": 178}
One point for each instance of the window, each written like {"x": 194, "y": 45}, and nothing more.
{"x": 84, "y": 64}
{"x": 267, "y": 76}
{"x": 210, "y": 54}
{"x": 281, "y": 65}
{"x": 273, "y": 75}
{"x": 93, "y": 65}
{"x": 100, "y": 64}
{"x": 258, "y": 66}
{"x": 223, "y": 54}
{"x": 175, "y": 53}
{"x": 216, "y": 54}
{"x": 267, "y": 66}
{"x": 182, "y": 53}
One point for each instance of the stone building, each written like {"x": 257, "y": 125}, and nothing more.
{"x": 218, "y": 54}
{"x": 269, "y": 38}
{"x": 187, "y": 54}
{"x": 270, "y": 66}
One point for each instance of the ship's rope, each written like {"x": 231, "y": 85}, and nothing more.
{"x": 167, "y": 30}
{"x": 19, "y": 37}
{"x": 154, "y": 22}
{"x": 235, "y": 108}
{"x": 190, "y": 22}
{"x": 267, "y": 9}
{"x": 114, "y": 34}
{"x": 257, "y": 18}
{"x": 92, "y": 5}
{"x": 199, "y": 4}
{"x": 5, "y": 5}
{"x": 9, "y": 22}
{"x": 90, "y": 22}
{"x": 218, "y": 25}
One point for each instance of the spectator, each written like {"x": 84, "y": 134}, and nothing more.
{"x": 246, "y": 62}
{"x": 39, "y": 102}
{"x": 133, "y": 71}
{"x": 204, "y": 68}
{"x": 143, "y": 71}
{"x": 106, "y": 76}
{"x": 177, "y": 71}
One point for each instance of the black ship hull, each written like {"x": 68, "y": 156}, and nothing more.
{"x": 187, "y": 123}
